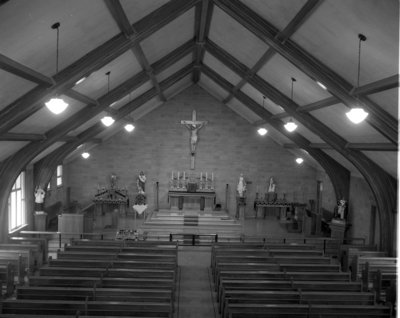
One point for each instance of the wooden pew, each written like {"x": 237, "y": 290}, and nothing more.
{"x": 106, "y": 272}
{"x": 29, "y": 257}
{"x": 228, "y": 284}
{"x": 20, "y": 259}
{"x": 116, "y": 255}
{"x": 83, "y": 263}
{"x": 107, "y": 282}
{"x": 15, "y": 261}
{"x": 298, "y": 310}
{"x": 359, "y": 262}
{"x": 295, "y": 297}
{"x": 43, "y": 243}
{"x": 270, "y": 275}
{"x": 70, "y": 307}
{"x": 99, "y": 294}
{"x": 123, "y": 249}
{"x": 34, "y": 249}
{"x": 83, "y": 242}
{"x": 7, "y": 275}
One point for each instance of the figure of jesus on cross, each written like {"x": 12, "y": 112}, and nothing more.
{"x": 194, "y": 126}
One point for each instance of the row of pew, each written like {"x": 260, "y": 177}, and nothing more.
{"x": 100, "y": 278}
{"x": 286, "y": 280}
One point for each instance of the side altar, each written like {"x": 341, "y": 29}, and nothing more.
{"x": 192, "y": 191}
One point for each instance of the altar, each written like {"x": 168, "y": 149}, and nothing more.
{"x": 203, "y": 201}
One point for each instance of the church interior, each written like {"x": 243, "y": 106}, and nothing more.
{"x": 199, "y": 158}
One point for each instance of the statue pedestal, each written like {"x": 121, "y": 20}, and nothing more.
{"x": 338, "y": 228}
{"x": 240, "y": 207}
{"x": 40, "y": 221}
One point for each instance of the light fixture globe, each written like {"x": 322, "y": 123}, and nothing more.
{"x": 107, "y": 121}
{"x": 357, "y": 115}
{"x": 85, "y": 155}
{"x": 56, "y": 105}
{"x": 262, "y": 131}
{"x": 290, "y": 126}
{"x": 299, "y": 160}
{"x": 129, "y": 127}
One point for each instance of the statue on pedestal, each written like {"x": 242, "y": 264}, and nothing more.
{"x": 141, "y": 181}
{"x": 39, "y": 198}
{"x": 241, "y": 187}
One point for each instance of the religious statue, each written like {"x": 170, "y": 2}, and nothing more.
{"x": 341, "y": 209}
{"x": 141, "y": 180}
{"x": 194, "y": 126}
{"x": 241, "y": 187}
{"x": 271, "y": 187}
{"x": 39, "y": 198}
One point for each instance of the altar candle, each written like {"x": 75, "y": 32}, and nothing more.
{"x": 212, "y": 176}
{"x": 206, "y": 175}
{"x": 184, "y": 175}
{"x": 201, "y": 175}
{"x": 178, "y": 175}
{"x": 172, "y": 175}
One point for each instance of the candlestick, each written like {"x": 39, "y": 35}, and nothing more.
{"x": 212, "y": 176}
{"x": 206, "y": 176}
{"x": 184, "y": 174}
{"x": 172, "y": 175}
{"x": 178, "y": 175}
{"x": 201, "y": 175}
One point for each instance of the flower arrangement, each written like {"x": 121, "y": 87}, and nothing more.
{"x": 140, "y": 199}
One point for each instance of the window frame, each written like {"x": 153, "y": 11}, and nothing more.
{"x": 17, "y": 204}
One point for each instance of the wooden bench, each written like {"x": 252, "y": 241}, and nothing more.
{"x": 359, "y": 262}
{"x": 7, "y": 275}
{"x": 123, "y": 249}
{"x": 84, "y": 263}
{"x": 106, "y": 282}
{"x": 34, "y": 250}
{"x": 92, "y": 293}
{"x": 298, "y": 310}
{"x": 43, "y": 243}
{"x": 162, "y": 244}
{"x": 70, "y": 307}
{"x": 295, "y": 297}
{"x": 116, "y": 255}
{"x": 236, "y": 284}
{"x": 270, "y": 275}
{"x": 17, "y": 267}
{"x": 107, "y": 272}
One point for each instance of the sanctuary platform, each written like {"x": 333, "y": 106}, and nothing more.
{"x": 192, "y": 222}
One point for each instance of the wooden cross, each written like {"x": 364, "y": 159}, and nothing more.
{"x": 194, "y": 126}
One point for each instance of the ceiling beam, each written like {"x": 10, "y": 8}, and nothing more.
{"x": 22, "y": 137}
{"x": 119, "y": 15}
{"x": 32, "y": 101}
{"x": 383, "y": 186}
{"x": 202, "y": 28}
{"x": 340, "y": 176}
{"x": 43, "y": 169}
{"x": 25, "y": 72}
{"x": 81, "y": 97}
{"x": 307, "y": 9}
{"x": 359, "y": 146}
{"x": 337, "y": 86}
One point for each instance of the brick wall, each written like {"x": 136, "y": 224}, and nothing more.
{"x": 228, "y": 146}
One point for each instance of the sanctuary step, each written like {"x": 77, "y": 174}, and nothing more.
{"x": 192, "y": 222}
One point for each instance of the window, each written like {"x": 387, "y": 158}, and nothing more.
{"x": 16, "y": 204}
{"x": 59, "y": 175}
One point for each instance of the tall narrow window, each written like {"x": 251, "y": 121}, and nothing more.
{"x": 59, "y": 175}
{"x": 16, "y": 204}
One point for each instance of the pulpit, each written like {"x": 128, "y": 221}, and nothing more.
{"x": 338, "y": 228}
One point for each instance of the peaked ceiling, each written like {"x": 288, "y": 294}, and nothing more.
{"x": 242, "y": 52}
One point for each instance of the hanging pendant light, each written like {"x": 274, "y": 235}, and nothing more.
{"x": 299, "y": 160}
{"x": 291, "y": 126}
{"x": 85, "y": 155}
{"x": 56, "y": 105}
{"x": 129, "y": 126}
{"x": 358, "y": 114}
{"x": 108, "y": 120}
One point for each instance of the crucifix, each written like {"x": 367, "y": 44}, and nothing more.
{"x": 194, "y": 126}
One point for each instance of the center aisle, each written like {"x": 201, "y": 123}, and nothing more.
{"x": 196, "y": 299}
